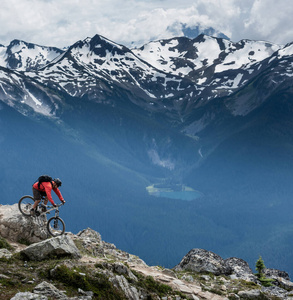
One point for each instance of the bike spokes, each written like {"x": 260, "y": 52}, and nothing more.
{"x": 25, "y": 204}
{"x": 56, "y": 226}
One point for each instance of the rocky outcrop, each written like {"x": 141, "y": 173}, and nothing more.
{"x": 49, "y": 290}
{"x": 60, "y": 246}
{"x": 200, "y": 260}
{"x": 281, "y": 278}
{"x": 273, "y": 273}
{"x": 240, "y": 269}
{"x": 16, "y": 227}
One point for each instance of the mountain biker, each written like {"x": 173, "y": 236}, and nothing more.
{"x": 44, "y": 189}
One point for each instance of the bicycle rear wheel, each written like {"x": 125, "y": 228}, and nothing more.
{"x": 56, "y": 226}
{"x": 25, "y": 204}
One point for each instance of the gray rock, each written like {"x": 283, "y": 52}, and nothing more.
{"x": 119, "y": 281}
{"x": 200, "y": 260}
{"x": 283, "y": 283}
{"x": 122, "y": 269}
{"x": 4, "y": 253}
{"x": 274, "y": 273}
{"x": 188, "y": 278}
{"x": 281, "y": 278}
{"x": 252, "y": 294}
{"x": 49, "y": 290}
{"x": 85, "y": 293}
{"x": 59, "y": 246}
{"x": 91, "y": 241}
{"x": 240, "y": 269}
{"x": 90, "y": 236}
{"x": 276, "y": 291}
{"x": 206, "y": 277}
{"x": 28, "y": 296}
{"x": 15, "y": 227}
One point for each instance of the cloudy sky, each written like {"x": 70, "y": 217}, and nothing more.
{"x": 61, "y": 23}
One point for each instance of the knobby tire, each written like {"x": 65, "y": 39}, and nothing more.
{"x": 60, "y": 226}
{"x": 25, "y": 204}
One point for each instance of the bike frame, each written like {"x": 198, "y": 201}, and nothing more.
{"x": 51, "y": 208}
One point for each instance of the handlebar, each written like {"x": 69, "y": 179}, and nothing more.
{"x": 52, "y": 206}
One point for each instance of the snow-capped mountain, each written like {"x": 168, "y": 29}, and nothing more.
{"x": 172, "y": 76}
{"x": 23, "y": 56}
{"x": 192, "y": 58}
{"x": 94, "y": 67}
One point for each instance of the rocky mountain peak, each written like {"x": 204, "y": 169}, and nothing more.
{"x": 22, "y": 56}
{"x": 71, "y": 260}
{"x": 97, "y": 47}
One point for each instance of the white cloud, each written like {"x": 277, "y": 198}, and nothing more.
{"x": 63, "y": 22}
{"x": 271, "y": 20}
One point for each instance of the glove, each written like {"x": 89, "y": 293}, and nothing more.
{"x": 63, "y": 201}
{"x": 54, "y": 205}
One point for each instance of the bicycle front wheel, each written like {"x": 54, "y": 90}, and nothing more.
{"x": 56, "y": 226}
{"x": 25, "y": 204}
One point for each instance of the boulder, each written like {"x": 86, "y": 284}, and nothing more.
{"x": 281, "y": 278}
{"x": 55, "y": 247}
{"x": 18, "y": 228}
{"x": 49, "y": 290}
{"x": 4, "y": 253}
{"x": 28, "y": 296}
{"x": 122, "y": 269}
{"x": 91, "y": 241}
{"x": 252, "y": 294}
{"x": 274, "y": 273}
{"x": 90, "y": 236}
{"x": 119, "y": 281}
{"x": 240, "y": 269}
{"x": 276, "y": 292}
{"x": 200, "y": 260}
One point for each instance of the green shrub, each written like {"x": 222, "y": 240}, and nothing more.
{"x": 266, "y": 282}
{"x": 260, "y": 266}
{"x": 148, "y": 283}
{"x": 4, "y": 244}
{"x": 24, "y": 241}
{"x": 98, "y": 283}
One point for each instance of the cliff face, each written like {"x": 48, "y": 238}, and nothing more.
{"x": 83, "y": 266}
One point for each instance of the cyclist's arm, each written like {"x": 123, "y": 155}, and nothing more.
{"x": 58, "y": 193}
{"x": 48, "y": 189}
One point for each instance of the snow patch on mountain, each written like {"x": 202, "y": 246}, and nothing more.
{"x": 22, "y": 56}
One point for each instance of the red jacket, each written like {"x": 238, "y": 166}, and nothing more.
{"x": 47, "y": 188}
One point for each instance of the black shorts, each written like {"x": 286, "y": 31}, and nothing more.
{"x": 38, "y": 195}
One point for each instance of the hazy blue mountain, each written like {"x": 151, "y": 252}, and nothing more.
{"x": 203, "y": 113}
{"x": 194, "y": 31}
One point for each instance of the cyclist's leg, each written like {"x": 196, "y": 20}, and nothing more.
{"x": 46, "y": 200}
{"x": 37, "y": 198}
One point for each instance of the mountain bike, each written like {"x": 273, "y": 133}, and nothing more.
{"x": 55, "y": 226}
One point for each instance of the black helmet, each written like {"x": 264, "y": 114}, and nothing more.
{"x": 57, "y": 181}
